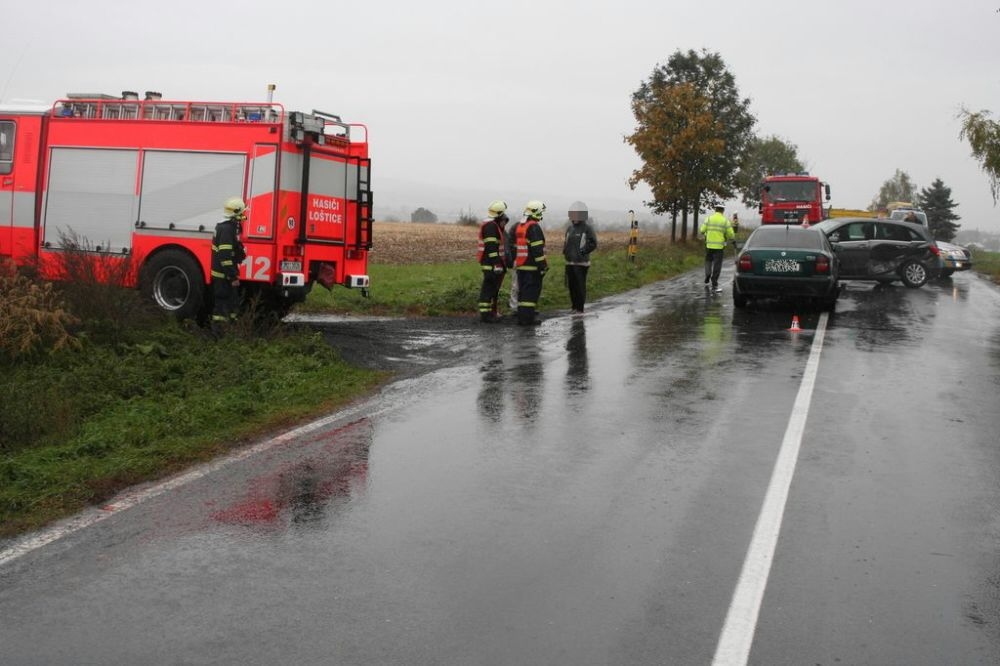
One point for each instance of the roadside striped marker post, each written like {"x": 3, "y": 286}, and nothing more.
{"x": 633, "y": 236}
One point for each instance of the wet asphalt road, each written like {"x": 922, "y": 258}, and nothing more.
{"x": 582, "y": 492}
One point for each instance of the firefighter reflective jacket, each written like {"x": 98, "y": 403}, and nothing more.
{"x": 530, "y": 246}
{"x": 492, "y": 241}
{"x": 227, "y": 251}
{"x": 716, "y": 230}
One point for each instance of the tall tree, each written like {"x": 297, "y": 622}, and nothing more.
{"x": 712, "y": 175}
{"x": 676, "y": 129}
{"x": 937, "y": 204}
{"x": 763, "y": 157}
{"x": 983, "y": 136}
{"x": 897, "y": 188}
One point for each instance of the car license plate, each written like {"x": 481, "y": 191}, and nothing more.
{"x": 291, "y": 266}
{"x": 781, "y": 266}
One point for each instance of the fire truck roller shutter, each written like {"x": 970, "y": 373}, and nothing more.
{"x": 180, "y": 189}
{"x": 91, "y": 197}
{"x": 172, "y": 278}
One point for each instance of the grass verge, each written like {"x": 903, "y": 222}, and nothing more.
{"x": 80, "y": 426}
{"x": 452, "y": 288}
{"x": 987, "y": 264}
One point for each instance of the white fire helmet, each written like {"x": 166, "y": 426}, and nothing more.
{"x": 235, "y": 208}
{"x": 578, "y": 212}
{"x": 497, "y": 208}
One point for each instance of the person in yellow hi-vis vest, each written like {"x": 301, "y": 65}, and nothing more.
{"x": 716, "y": 230}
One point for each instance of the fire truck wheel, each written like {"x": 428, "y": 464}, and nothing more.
{"x": 174, "y": 281}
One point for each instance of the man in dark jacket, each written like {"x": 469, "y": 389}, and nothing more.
{"x": 511, "y": 256}
{"x": 580, "y": 241}
{"x": 227, "y": 255}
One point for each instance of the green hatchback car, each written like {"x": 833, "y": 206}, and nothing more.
{"x": 789, "y": 263}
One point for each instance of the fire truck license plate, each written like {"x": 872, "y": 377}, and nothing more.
{"x": 291, "y": 266}
{"x": 781, "y": 266}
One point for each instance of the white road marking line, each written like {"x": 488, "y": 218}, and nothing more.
{"x": 736, "y": 639}
{"x": 95, "y": 515}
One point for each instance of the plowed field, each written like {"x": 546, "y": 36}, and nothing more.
{"x": 418, "y": 243}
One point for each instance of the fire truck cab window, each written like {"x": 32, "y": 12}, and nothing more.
{"x": 6, "y": 146}
{"x": 791, "y": 191}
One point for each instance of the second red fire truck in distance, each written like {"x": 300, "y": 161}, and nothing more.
{"x": 143, "y": 181}
{"x": 793, "y": 197}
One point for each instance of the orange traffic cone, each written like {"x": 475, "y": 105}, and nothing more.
{"x": 795, "y": 324}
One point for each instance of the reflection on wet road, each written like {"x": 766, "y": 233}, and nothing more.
{"x": 582, "y": 492}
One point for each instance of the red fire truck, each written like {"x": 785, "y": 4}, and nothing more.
{"x": 143, "y": 181}
{"x": 788, "y": 198}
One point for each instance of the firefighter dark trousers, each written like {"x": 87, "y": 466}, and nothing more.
{"x": 576, "y": 283}
{"x": 529, "y": 290}
{"x": 488, "y": 295}
{"x": 713, "y": 266}
{"x": 226, "y": 301}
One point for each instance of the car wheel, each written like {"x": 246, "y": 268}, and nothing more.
{"x": 913, "y": 273}
{"x": 739, "y": 300}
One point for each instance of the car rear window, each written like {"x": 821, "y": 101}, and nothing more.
{"x": 794, "y": 238}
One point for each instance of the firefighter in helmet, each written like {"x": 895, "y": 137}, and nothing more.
{"x": 227, "y": 255}
{"x": 492, "y": 260}
{"x": 530, "y": 262}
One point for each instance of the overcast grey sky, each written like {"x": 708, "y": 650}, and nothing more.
{"x": 531, "y": 98}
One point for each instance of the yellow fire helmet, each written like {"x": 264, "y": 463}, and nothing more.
{"x": 235, "y": 208}
{"x": 497, "y": 208}
{"x": 534, "y": 209}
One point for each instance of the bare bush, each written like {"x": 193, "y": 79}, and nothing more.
{"x": 34, "y": 316}
{"x": 468, "y": 219}
{"x": 95, "y": 286}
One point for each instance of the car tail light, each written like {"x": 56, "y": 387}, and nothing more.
{"x": 745, "y": 264}
{"x": 822, "y": 264}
